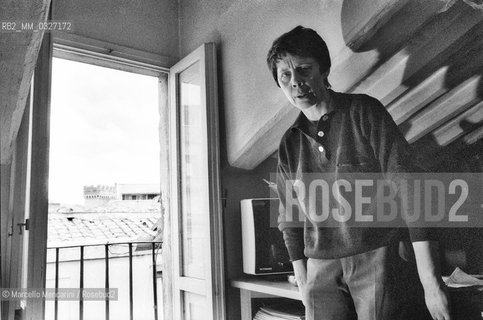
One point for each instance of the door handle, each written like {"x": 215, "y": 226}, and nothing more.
{"x": 23, "y": 225}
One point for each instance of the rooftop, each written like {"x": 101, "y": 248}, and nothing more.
{"x": 89, "y": 228}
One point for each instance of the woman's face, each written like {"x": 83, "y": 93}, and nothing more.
{"x": 301, "y": 81}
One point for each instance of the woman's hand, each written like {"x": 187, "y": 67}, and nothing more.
{"x": 435, "y": 294}
{"x": 437, "y": 301}
{"x": 300, "y": 270}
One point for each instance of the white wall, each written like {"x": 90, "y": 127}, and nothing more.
{"x": 147, "y": 25}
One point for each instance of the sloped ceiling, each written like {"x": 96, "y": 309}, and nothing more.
{"x": 18, "y": 55}
{"x": 422, "y": 58}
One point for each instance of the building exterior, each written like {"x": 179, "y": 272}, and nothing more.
{"x": 137, "y": 191}
{"x": 95, "y": 196}
{"x": 101, "y": 195}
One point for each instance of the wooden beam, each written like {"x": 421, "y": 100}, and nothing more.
{"x": 448, "y": 69}
{"x": 444, "y": 108}
{"x": 361, "y": 24}
{"x": 19, "y": 51}
{"x": 450, "y": 138}
{"x": 433, "y": 158}
{"x": 358, "y": 27}
{"x": 430, "y": 89}
{"x": 474, "y": 136}
{"x": 406, "y": 34}
{"x": 389, "y": 79}
{"x": 457, "y": 127}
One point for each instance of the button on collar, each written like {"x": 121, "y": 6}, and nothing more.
{"x": 325, "y": 117}
{"x": 320, "y": 133}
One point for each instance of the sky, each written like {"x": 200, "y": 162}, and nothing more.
{"x": 103, "y": 129}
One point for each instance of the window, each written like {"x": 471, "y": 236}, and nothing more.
{"x": 188, "y": 287}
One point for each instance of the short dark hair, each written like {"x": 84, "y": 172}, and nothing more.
{"x": 300, "y": 41}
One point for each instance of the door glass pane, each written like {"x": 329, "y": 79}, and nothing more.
{"x": 194, "y": 174}
{"x": 194, "y": 306}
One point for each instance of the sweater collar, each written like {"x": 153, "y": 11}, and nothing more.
{"x": 339, "y": 101}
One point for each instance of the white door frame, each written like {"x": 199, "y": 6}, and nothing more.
{"x": 212, "y": 286}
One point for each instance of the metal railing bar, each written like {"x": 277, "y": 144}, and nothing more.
{"x": 155, "y": 285}
{"x": 56, "y": 301}
{"x": 107, "y": 279}
{"x": 104, "y": 243}
{"x": 131, "y": 313}
{"x": 81, "y": 284}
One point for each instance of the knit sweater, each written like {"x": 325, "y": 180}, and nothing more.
{"x": 357, "y": 136}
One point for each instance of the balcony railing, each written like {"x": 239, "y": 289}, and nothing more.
{"x": 152, "y": 246}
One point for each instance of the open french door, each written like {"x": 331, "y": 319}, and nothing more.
{"x": 197, "y": 252}
{"x": 35, "y": 240}
{"x": 28, "y": 196}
